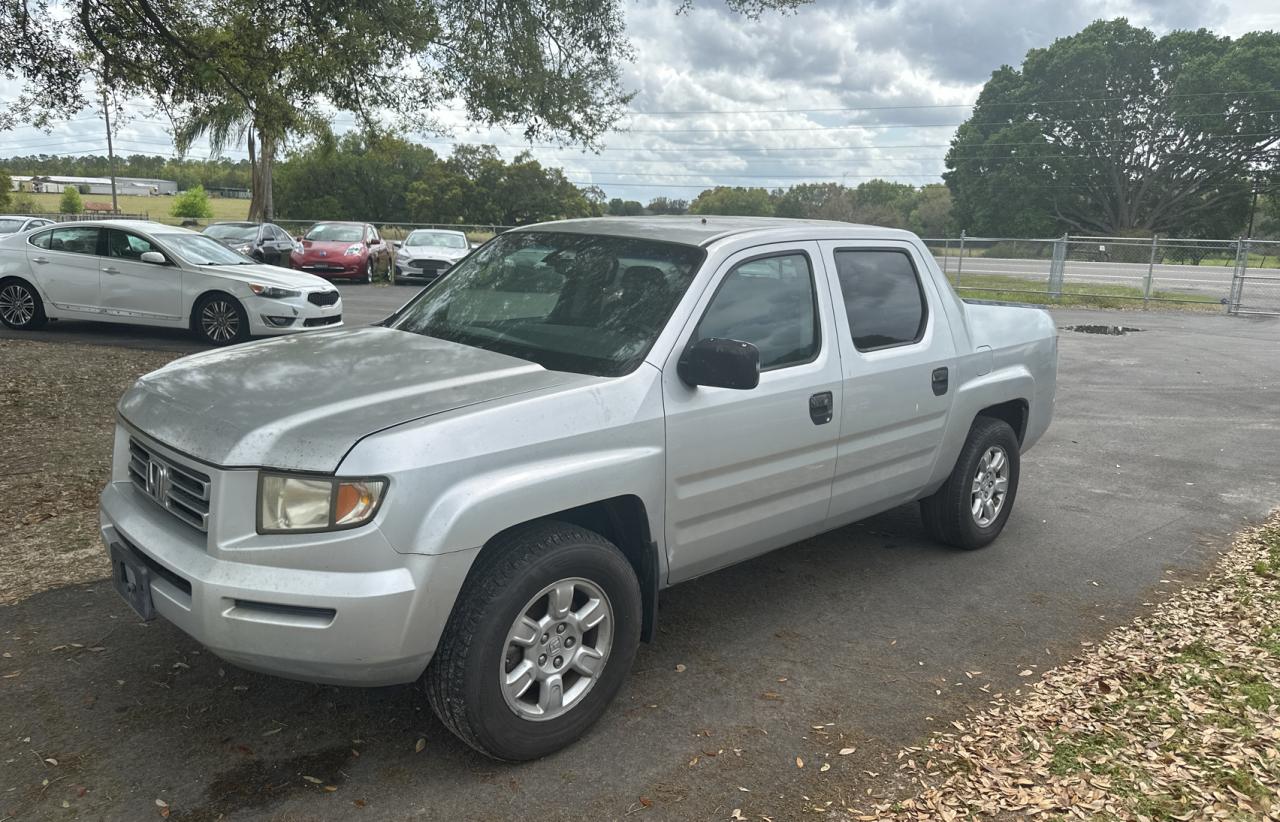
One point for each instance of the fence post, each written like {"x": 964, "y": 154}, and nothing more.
{"x": 960, "y": 260}
{"x": 1237, "y": 277}
{"x": 1058, "y": 266}
{"x": 1151, "y": 270}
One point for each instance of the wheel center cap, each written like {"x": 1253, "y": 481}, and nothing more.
{"x": 555, "y": 644}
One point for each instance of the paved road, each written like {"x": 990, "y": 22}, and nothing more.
{"x": 1166, "y": 440}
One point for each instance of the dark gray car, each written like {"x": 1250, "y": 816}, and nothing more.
{"x": 264, "y": 242}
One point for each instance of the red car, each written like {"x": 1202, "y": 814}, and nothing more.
{"x": 336, "y": 251}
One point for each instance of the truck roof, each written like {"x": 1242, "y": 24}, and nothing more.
{"x": 693, "y": 229}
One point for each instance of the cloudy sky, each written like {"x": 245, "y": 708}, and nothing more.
{"x": 839, "y": 91}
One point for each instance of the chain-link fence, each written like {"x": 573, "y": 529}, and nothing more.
{"x": 1238, "y": 276}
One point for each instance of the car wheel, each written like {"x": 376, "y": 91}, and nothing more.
{"x": 368, "y": 270}
{"x": 220, "y": 320}
{"x": 541, "y": 638}
{"x": 970, "y": 510}
{"x": 20, "y": 306}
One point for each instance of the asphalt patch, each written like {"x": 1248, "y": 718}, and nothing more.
{"x": 1109, "y": 330}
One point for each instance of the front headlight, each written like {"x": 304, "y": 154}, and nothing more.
{"x": 352, "y": 250}
{"x": 292, "y": 504}
{"x": 273, "y": 292}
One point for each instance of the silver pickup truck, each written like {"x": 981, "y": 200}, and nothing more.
{"x": 487, "y": 490}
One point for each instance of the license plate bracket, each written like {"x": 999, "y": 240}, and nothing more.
{"x": 132, "y": 580}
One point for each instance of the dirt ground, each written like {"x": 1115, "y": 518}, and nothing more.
{"x": 57, "y": 411}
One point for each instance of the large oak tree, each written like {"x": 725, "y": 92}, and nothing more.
{"x": 263, "y": 71}
{"x": 1117, "y": 131}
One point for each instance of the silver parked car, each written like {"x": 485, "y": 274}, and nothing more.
{"x": 488, "y": 490}
{"x": 427, "y": 253}
{"x": 16, "y": 223}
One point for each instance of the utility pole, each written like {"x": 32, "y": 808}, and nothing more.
{"x": 1257, "y": 189}
{"x": 111, "y": 154}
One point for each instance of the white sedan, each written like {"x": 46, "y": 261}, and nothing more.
{"x": 145, "y": 273}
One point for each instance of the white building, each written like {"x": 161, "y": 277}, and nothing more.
{"x": 55, "y": 183}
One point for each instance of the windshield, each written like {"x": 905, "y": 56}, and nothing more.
{"x": 331, "y": 233}
{"x": 10, "y": 226}
{"x": 569, "y": 302}
{"x": 198, "y": 249}
{"x": 230, "y": 231}
{"x": 441, "y": 239}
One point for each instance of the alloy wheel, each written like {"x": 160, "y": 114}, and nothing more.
{"x": 17, "y": 305}
{"x": 556, "y": 649}
{"x": 220, "y": 321}
{"x": 990, "y": 486}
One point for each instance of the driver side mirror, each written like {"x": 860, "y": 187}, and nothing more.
{"x": 720, "y": 363}
{"x": 153, "y": 257}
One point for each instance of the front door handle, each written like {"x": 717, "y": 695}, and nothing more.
{"x": 820, "y": 407}
{"x": 111, "y": 269}
{"x": 940, "y": 377}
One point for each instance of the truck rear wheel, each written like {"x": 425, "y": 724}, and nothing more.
{"x": 540, "y": 640}
{"x": 969, "y": 511}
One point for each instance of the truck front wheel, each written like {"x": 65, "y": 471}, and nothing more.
{"x": 971, "y": 508}
{"x": 540, "y": 640}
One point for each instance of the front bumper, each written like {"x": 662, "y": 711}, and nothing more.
{"x": 341, "y": 608}
{"x": 331, "y": 268}
{"x": 270, "y": 316}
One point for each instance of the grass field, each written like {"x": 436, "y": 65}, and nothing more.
{"x": 1092, "y": 295}
{"x": 156, "y": 208}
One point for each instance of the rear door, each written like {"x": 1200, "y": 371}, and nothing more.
{"x": 750, "y": 471}
{"x": 898, "y": 360}
{"x": 64, "y": 263}
{"x": 135, "y": 290}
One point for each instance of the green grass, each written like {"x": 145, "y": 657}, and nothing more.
{"x": 156, "y": 208}
{"x": 1091, "y": 295}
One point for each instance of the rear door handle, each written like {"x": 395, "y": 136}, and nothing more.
{"x": 40, "y": 260}
{"x": 820, "y": 407}
{"x": 940, "y": 377}
{"x": 111, "y": 269}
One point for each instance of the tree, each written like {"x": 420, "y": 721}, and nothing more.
{"x": 192, "y": 204}
{"x": 931, "y": 215}
{"x": 619, "y": 207}
{"x": 6, "y": 185}
{"x": 663, "y": 205}
{"x": 70, "y": 202}
{"x": 1116, "y": 131}
{"x": 264, "y": 71}
{"x": 733, "y": 201}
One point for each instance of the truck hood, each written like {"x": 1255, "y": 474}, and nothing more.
{"x": 301, "y": 402}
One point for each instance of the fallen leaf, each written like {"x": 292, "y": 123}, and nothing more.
{"x": 51, "y": 761}
{"x": 847, "y": 751}
{"x": 313, "y": 780}
{"x": 420, "y": 744}
{"x": 826, "y": 766}
{"x": 799, "y": 762}
{"x": 1026, "y": 672}
{"x": 330, "y": 788}
{"x": 680, "y": 669}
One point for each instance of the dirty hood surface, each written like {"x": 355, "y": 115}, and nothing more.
{"x": 301, "y": 402}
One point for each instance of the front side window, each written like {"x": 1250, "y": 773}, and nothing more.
{"x": 125, "y": 245}
{"x": 882, "y": 297}
{"x": 75, "y": 240}
{"x": 768, "y": 302}
{"x": 583, "y": 303}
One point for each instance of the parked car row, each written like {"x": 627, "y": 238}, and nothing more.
{"x": 342, "y": 250}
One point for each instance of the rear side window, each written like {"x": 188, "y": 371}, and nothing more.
{"x": 77, "y": 240}
{"x": 769, "y": 303}
{"x": 882, "y": 297}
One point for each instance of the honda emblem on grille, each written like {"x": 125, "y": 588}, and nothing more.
{"x": 158, "y": 481}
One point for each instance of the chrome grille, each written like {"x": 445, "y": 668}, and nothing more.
{"x": 182, "y": 491}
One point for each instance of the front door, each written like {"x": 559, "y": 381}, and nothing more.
{"x": 64, "y": 262}
{"x": 136, "y": 290}
{"x": 750, "y": 470}
{"x": 899, "y": 362}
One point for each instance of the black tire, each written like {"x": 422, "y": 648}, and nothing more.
{"x": 462, "y": 683}
{"x": 20, "y": 305}
{"x": 948, "y": 514}
{"x": 220, "y": 319}
{"x": 368, "y": 270}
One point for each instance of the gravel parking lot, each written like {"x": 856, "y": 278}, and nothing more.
{"x": 1165, "y": 441}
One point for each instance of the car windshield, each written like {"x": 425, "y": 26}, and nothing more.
{"x": 440, "y": 239}
{"x": 198, "y": 249}
{"x": 232, "y": 231}
{"x": 8, "y": 226}
{"x": 570, "y": 302}
{"x": 330, "y": 233}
